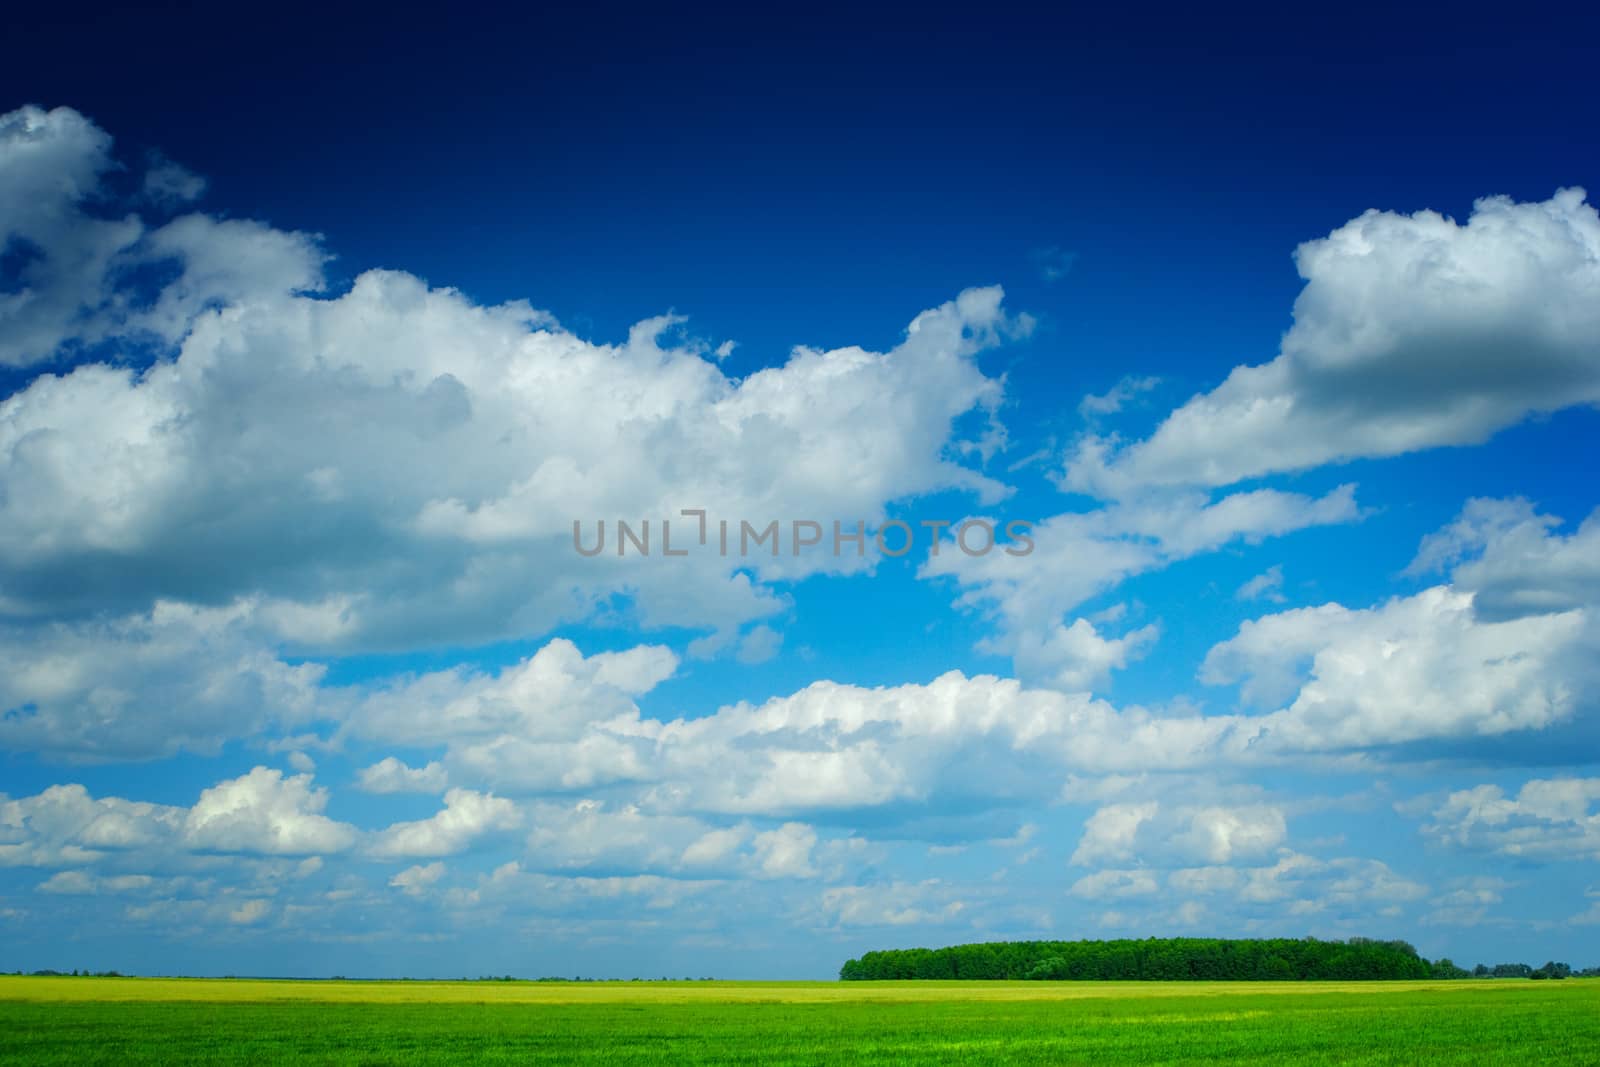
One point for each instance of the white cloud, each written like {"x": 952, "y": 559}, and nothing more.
{"x": 1118, "y": 397}
{"x": 417, "y": 879}
{"x": 1076, "y": 658}
{"x": 1223, "y": 834}
{"x": 785, "y": 852}
{"x": 1162, "y": 834}
{"x": 145, "y": 686}
{"x": 592, "y": 835}
{"x": 1513, "y": 562}
{"x": 64, "y": 825}
{"x": 1109, "y": 833}
{"x": 1079, "y": 555}
{"x": 892, "y": 904}
{"x": 265, "y": 812}
{"x": 87, "y": 883}
{"x": 250, "y": 912}
{"x": 75, "y": 280}
{"x": 1347, "y": 884}
{"x": 759, "y": 645}
{"x": 414, "y": 462}
{"x": 1549, "y": 818}
{"x": 1268, "y": 585}
{"x": 465, "y": 817}
{"x": 391, "y": 775}
{"x": 1111, "y": 884}
{"x": 1414, "y": 668}
{"x": 1412, "y": 332}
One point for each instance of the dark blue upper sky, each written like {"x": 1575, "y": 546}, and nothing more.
{"x": 752, "y": 167}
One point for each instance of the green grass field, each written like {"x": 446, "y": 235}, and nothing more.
{"x": 173, "y": 1021}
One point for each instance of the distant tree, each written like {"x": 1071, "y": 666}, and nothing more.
{"x": 1150, "y": 959}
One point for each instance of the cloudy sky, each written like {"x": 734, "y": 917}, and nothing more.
{"x": 1277, "y": 351}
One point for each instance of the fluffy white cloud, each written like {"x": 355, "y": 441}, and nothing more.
{"x": 1414, "y": 668}
{"x": 64, "y": 825}
{"x": 149, "y": 685}
{"x": 75, "y": 284}
{"x": 261, "y": 813}
{"x": 592, "y": 835}
{"x": 1158, "y": 833}
{"x": 398, "y": 466}
{"x": 265, "y": 812}
{"x": 1077, "y": 658}
{"x": 1412, "y": 332}
{"x": 1549, "y": 818}
{"x": 391, "y": 775}
{"x": 1510, "y": 558}
{"x": 465, "y": 817}
{"x": 1109, "y": 833}
{"x": 786, "y": 851}
{"x": 1345, "y": 884}
{"x": 1223, "y": 834}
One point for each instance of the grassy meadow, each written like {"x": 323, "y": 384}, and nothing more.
{"x": 175, "y": 1021}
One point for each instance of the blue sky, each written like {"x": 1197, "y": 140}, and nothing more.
{"x": 1282, "y": 334}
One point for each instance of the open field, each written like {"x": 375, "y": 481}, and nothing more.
{"x": 169, "y": 1021}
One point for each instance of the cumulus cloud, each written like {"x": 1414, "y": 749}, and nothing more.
{"x": 1510, "y": 557}
{"x": 1164, "y": 834}
{"x": 465, "y": 817}
{"x": 1412, "y": 332}
{"x": 1417, "y": 667}
{"x": 1079, "y": 555}
{"x": 64, "y": 825}
{"x": 414, "y": 462}
{"x": 1350, "y": 885}
{"x": 265, "y": 812}
{"x": 261, "y": 813}
{"x": 1109, "y": 833}
{"x": 1548, "y": 818}
{"x": 786, "y": 851}
{"x": 390, "y": 775}
{"x": 175, "y": 678}
{"x": 78, "y": 280}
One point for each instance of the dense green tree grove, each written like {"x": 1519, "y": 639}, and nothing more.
{"x": 1152, "y": 959}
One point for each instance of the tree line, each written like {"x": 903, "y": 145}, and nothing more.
{"x": 1197, "y": 959}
